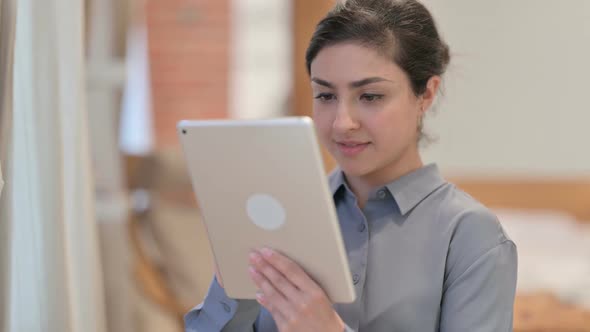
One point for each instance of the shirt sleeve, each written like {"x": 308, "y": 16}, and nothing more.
{"x": 481, "y": 298}
{"x": 218, "y": 312}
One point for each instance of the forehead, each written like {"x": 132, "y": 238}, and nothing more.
{"x": 347, "y": 62}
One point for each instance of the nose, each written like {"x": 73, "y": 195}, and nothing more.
{"x": 346, "y": 118}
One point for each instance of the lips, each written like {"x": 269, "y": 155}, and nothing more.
{"x": 351, "y": 148}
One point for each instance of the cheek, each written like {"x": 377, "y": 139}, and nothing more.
{"x": 395, "y": 126}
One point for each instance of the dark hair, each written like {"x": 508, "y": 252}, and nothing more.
{"x": 402, "y": 29}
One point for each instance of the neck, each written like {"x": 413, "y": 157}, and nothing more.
{"x": 362, "y": 185}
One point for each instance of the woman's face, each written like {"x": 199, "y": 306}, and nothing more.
{"x": 365, "y": 112}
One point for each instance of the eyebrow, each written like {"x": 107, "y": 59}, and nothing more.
{"x": 355, "y": 84}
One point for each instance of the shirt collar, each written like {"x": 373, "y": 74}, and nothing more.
{"x": 414, "y": 187}
{"x": 336, "y": 180}
{"x": 408, "y": 190}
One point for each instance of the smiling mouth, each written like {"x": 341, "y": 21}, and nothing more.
{"x": 351, "y": 144}
{"x": 351, "y": 149}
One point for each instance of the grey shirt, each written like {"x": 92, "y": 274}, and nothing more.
{"x": 424, "y": 256}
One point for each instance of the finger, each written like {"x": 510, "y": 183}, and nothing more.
{"x": 294, "y": 273}
{"x": 269, "y": 296}
{"x": 272, "y": 309}
{"x": 283, "y": 321}
{"x": 276, "y": 278}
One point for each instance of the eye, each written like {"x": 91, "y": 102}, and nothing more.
{"x": 325, "y": 97}
{"x": 370, "y": 97}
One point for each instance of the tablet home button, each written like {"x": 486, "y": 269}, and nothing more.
{"x": 265, "y": 211}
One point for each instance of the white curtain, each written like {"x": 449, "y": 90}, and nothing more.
{"x": 136, "y": 131}
{"x": 55, "y": 281}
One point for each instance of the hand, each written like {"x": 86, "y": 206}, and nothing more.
{"x": 295, "y": 301}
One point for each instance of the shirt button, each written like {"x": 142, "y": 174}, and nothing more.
{"x": 381, "y": 194}
{"x": 361, "y": 228}
{"x": 226, "y": 307}
{"x": 356, "y": 278}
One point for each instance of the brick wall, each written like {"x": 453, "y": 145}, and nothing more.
{"x": 189, "y": 59}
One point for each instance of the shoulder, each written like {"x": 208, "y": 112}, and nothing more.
{"x": 471, "y": 229}
{"x": 465, "y": 219}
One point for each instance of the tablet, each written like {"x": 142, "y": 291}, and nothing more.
{"x": 262, "y": 183}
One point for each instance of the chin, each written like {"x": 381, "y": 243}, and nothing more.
{"x": 356, "y": 169}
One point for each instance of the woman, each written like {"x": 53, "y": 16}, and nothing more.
{"x": 424, "y": 255}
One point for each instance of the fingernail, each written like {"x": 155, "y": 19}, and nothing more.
{"x": 266, "y": 252}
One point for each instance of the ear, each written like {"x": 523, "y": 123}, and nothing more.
{"x": 430, "y": 93}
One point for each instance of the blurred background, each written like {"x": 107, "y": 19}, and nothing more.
{"x": 99, "y": 229}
